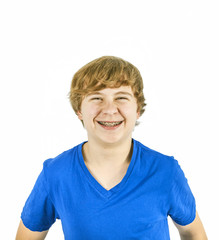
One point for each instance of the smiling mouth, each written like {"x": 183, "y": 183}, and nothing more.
{"x": 109, "y": 124}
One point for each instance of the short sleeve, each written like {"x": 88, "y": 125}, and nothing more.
{"x": 39, "y": 212}
{"x": 182, "y": 202}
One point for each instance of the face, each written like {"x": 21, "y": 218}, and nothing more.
{"x": 109, "y": 115}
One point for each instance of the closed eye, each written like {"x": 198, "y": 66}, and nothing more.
{"x": 96, "y": 98}
{"x": 122, "y": 98}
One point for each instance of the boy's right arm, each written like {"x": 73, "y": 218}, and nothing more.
{"x": 24, "y": 233}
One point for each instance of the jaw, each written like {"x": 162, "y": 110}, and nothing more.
{"x": 112, "y": 136}
{"x": 109, "y": 133}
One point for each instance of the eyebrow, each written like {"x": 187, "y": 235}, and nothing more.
{"x": 124, "y": 93}
{"x": 94, "y": 93}
{"x": 117, "y": 93}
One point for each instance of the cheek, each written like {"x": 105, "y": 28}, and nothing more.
{"x": 89, "y": 112}
{"x": 129, "y": 111}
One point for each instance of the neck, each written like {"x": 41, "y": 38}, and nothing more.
{"x": 107, "y": 155}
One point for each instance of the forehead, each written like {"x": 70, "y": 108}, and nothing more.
{"x": 114, "y": 91}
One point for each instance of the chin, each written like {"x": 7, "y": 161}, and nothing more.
{"x": 110, "y": 140}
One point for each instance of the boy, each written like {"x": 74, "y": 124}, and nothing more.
{"x": 111, "y": 186}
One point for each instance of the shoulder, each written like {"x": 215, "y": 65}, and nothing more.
{"x": 154, "y": 157}
{"x": 62, "y": 163}
{"x": 156, "y": 164}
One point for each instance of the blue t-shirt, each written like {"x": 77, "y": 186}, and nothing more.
{"x": 153, "y": 188}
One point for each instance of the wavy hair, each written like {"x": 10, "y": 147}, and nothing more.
{"x": 106, "y": 72}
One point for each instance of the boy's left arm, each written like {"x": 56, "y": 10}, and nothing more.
{"x": 192, "y": 231}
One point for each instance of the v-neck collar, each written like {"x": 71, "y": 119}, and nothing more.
{"x": 107, "y": 193}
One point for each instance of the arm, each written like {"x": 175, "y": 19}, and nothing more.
{"x": 192, "y": 231}
{"x": 24, "y": 233}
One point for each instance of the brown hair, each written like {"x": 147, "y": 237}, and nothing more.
{"x": 106, "y": 72}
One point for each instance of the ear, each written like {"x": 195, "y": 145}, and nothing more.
{"x": 79, "y": 115}
{"x": 138, "y": 115}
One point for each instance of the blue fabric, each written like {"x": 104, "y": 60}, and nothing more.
{"x": 153, "y": 188}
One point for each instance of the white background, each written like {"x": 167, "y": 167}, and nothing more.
{"x": 173, "y": 43}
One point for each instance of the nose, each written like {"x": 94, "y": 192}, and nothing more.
{"x": 109, "y": 107}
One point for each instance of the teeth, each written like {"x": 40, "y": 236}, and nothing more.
{"x": 109, "y": 124}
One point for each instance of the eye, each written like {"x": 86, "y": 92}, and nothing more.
{"x": 121, "y": 98}
{"x": 96, "y": 99}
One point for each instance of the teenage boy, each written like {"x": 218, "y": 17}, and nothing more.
{"x": 111, "y": 186}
